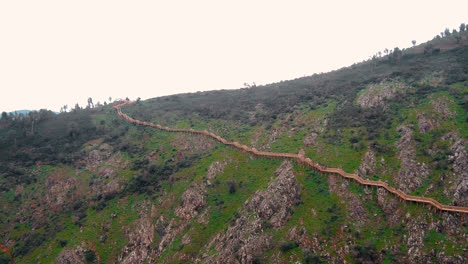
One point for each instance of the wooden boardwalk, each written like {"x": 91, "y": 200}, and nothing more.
{"x": 302, "y": 160}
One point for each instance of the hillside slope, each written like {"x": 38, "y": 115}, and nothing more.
{"x": 88, "y": 187}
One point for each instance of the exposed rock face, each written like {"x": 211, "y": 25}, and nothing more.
{"x": 57, "y": 187}
{"x": 459, "y": 159}
{"x": 214, "y": 169}
{"x": 415, "y": 240}
{"x": 241, "y": 243}
{"x": 426, "y": 124}
{"x": 441, "y": 105}
{"x": 138, "y": 249}
{"x": 354, "y": 205}
{"x": 300, "y": 236}
{"x": 368, "y": 165}
{"x": 245, "y": 239}
{"x": 193, "y": 199}
{"x": 104, "y": 190}
{"x": 389, "y": 205}
{"x": 69, "y": 256}
{"x": 111, "y": 189}
{"x": 417, "y": 226}
{"x": 310, "y": 139}
{"x": 377, "y": 93}
{"x": 276, "y": 202}
{"x": 172, "y": 230}
{"x": 94, "y": 157}
{"x": 411, "y": 173}
{"x": 106, "y": 172}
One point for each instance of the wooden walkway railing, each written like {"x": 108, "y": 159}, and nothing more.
{"x": 301, "y": 160}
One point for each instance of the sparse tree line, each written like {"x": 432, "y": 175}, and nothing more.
{"x": 394, "y": 55}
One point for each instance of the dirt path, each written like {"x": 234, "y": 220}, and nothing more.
{"x": 302, "y": 160}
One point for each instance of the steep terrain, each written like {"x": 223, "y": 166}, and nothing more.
{"x": 89, "y": 187}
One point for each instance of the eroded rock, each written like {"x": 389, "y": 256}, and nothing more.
{"x": 58, "y": 186}
{"x": 69, "y": 256}
{"x": 441, "y": 105}
{"x": 368, "y": 165}
{"x": 426, "y": 124}
{"x": 389, "y": 205}
{"x": 354, "y": 205}
{"x": 241, "y": 243}
{"x": 459, "y": 159}
{"x": 412, "y": 173}
{"x": 214, "y": 169}
{"x": 311, "y": 139}
{"x": 138, "y": 249}
{"x": 245, "y": 239}
{"x": 276, "y": 202}
{"x": 193, "y": 199}
{"x": 377, "y": 94}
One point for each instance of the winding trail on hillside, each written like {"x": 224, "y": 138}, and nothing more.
{"x": 302, "y": 160}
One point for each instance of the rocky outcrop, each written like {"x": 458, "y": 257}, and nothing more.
{"x": 69, "y": 256}
{"x": 78, "y": 255}
{"x": 376, "y": 94}
{"x": 368, "y": 167}
{"x": 310, "y": 140}
{"x": 241, "y": 243}
{"x": 300, "y": 236}
{"x": 107, "y": 172}
{"x": 169, "y": 233}
{"x": 426, "y": 124}
{"x": 138, "y": 249}
{"x": 415, "y": 239}
{"x": 389, "y": 205}
{"x": 193, "y": 199}
{"x": 98, "y": 155}
{"x": 441, "y": 106}
{"x": 411, "y": 173}
{"x": 354, "y": 205}
{"x": 275, "y": 204}
{"x": 245, "y": 239}
{"x": 459, "y": 160}
{"x": 214, "y": 169}
{"x": 58, "y": 187}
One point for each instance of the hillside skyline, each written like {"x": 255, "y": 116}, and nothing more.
{"x": 212, "y": 47}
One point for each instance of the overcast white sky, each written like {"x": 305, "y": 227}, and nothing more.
{"x": 62, "y": 52}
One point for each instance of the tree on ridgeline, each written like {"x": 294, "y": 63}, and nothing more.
{"x": 413, "y": 42}
{"x": 77, "y": 107}
{"x": 462, "y": 27}
{"x": 90, "y": 102}
{"x": 447, "y": 32}
{"x": 396, "y": 55}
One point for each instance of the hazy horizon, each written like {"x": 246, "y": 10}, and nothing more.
{"x": 56, "y": 53}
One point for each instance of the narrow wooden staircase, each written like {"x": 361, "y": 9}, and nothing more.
{"x": 301, "y": 159}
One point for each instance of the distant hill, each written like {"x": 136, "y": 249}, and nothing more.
{"x": 24, "y": 112}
